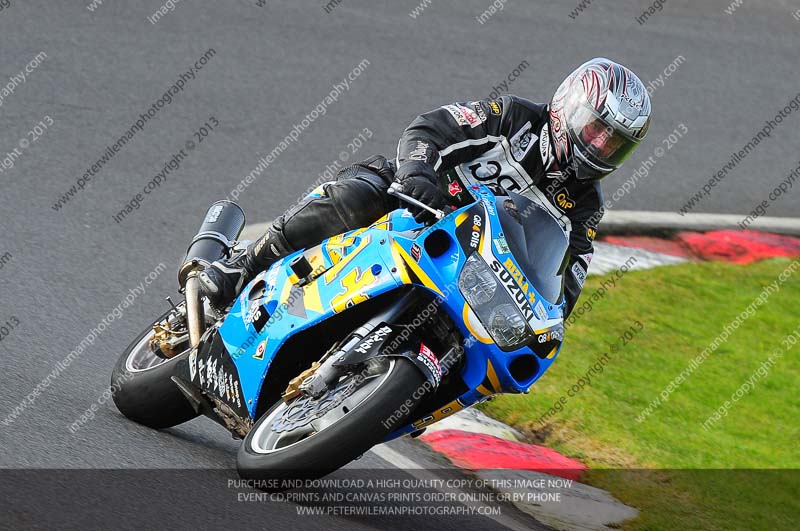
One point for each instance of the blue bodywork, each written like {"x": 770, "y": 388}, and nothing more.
{"x": 368, "y": 262}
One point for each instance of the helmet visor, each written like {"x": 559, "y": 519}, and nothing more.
{"x": 599, "y": 144}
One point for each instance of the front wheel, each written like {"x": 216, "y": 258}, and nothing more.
{"x": 143, "y": 390}
{"x": 309, "y": 438}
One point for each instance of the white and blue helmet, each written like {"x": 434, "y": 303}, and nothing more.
{"x": 598, "y": 116}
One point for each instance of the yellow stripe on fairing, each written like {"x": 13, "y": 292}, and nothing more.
{"x": 400, "y": 265}
{"x": 287, "y": 288}
{"x": 482, "y": 390}
{"x": 465, "y": 316}
{"x": 311, "y": 297}
{"x": 490, "y": 372}
{"x": 426, "y": 280}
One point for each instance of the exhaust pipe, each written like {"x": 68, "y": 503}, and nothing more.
{"x": 221, "y": 227}
{"x": 195, "y": 314}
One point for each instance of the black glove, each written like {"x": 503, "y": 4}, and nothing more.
{"x": 418, "y": 181}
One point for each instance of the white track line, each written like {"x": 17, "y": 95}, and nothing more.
{"x": 618, "y": 221}
{"x": 420, "y": 472}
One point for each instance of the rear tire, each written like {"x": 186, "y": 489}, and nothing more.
{"x": 358, "y": 430}
{"x": 143, "y": 389}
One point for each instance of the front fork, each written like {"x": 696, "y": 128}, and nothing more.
{"x": 317, "y": 379}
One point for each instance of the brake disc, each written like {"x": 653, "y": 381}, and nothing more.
{"x": 306, "y": 409}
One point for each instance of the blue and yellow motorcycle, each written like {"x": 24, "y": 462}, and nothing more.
{"x": 371, "y": 335}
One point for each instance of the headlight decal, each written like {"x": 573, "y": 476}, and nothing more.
{"x": 501, "y": 316}
{"x": 519, "y": 297}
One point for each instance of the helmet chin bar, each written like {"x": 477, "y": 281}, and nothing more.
{"x": 578, "y": 167}
{"x": 583, "y": 170}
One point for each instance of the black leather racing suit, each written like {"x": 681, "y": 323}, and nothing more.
{"x": 504, "y": 141}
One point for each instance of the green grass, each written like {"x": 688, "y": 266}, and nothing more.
{"x": 682, "y": 309}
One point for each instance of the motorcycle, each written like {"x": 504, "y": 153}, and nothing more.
{"x": 373, "y": 334}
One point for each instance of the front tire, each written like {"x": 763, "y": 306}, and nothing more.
{"x": 267, "y": 455}
{"x": 143, "y": 390}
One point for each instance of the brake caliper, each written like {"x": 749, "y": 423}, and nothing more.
{"x": 293, "y": 389}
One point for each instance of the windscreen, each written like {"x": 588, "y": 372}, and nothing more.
{"x": 537, "y": 241}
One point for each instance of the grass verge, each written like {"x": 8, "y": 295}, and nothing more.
{"x": 643, "y": 334}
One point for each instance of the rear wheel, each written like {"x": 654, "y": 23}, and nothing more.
{"x": 308, "y": 438}
{"x": 143, "y": 390}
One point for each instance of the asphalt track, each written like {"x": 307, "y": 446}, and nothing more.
{"x": 62, "y": 272}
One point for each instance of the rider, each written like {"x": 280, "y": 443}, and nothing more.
{"x": 554, "y": 154}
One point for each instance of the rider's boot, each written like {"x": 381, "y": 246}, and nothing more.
{"x": 355, "y": 199}
{"x": 224, "y": 279}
